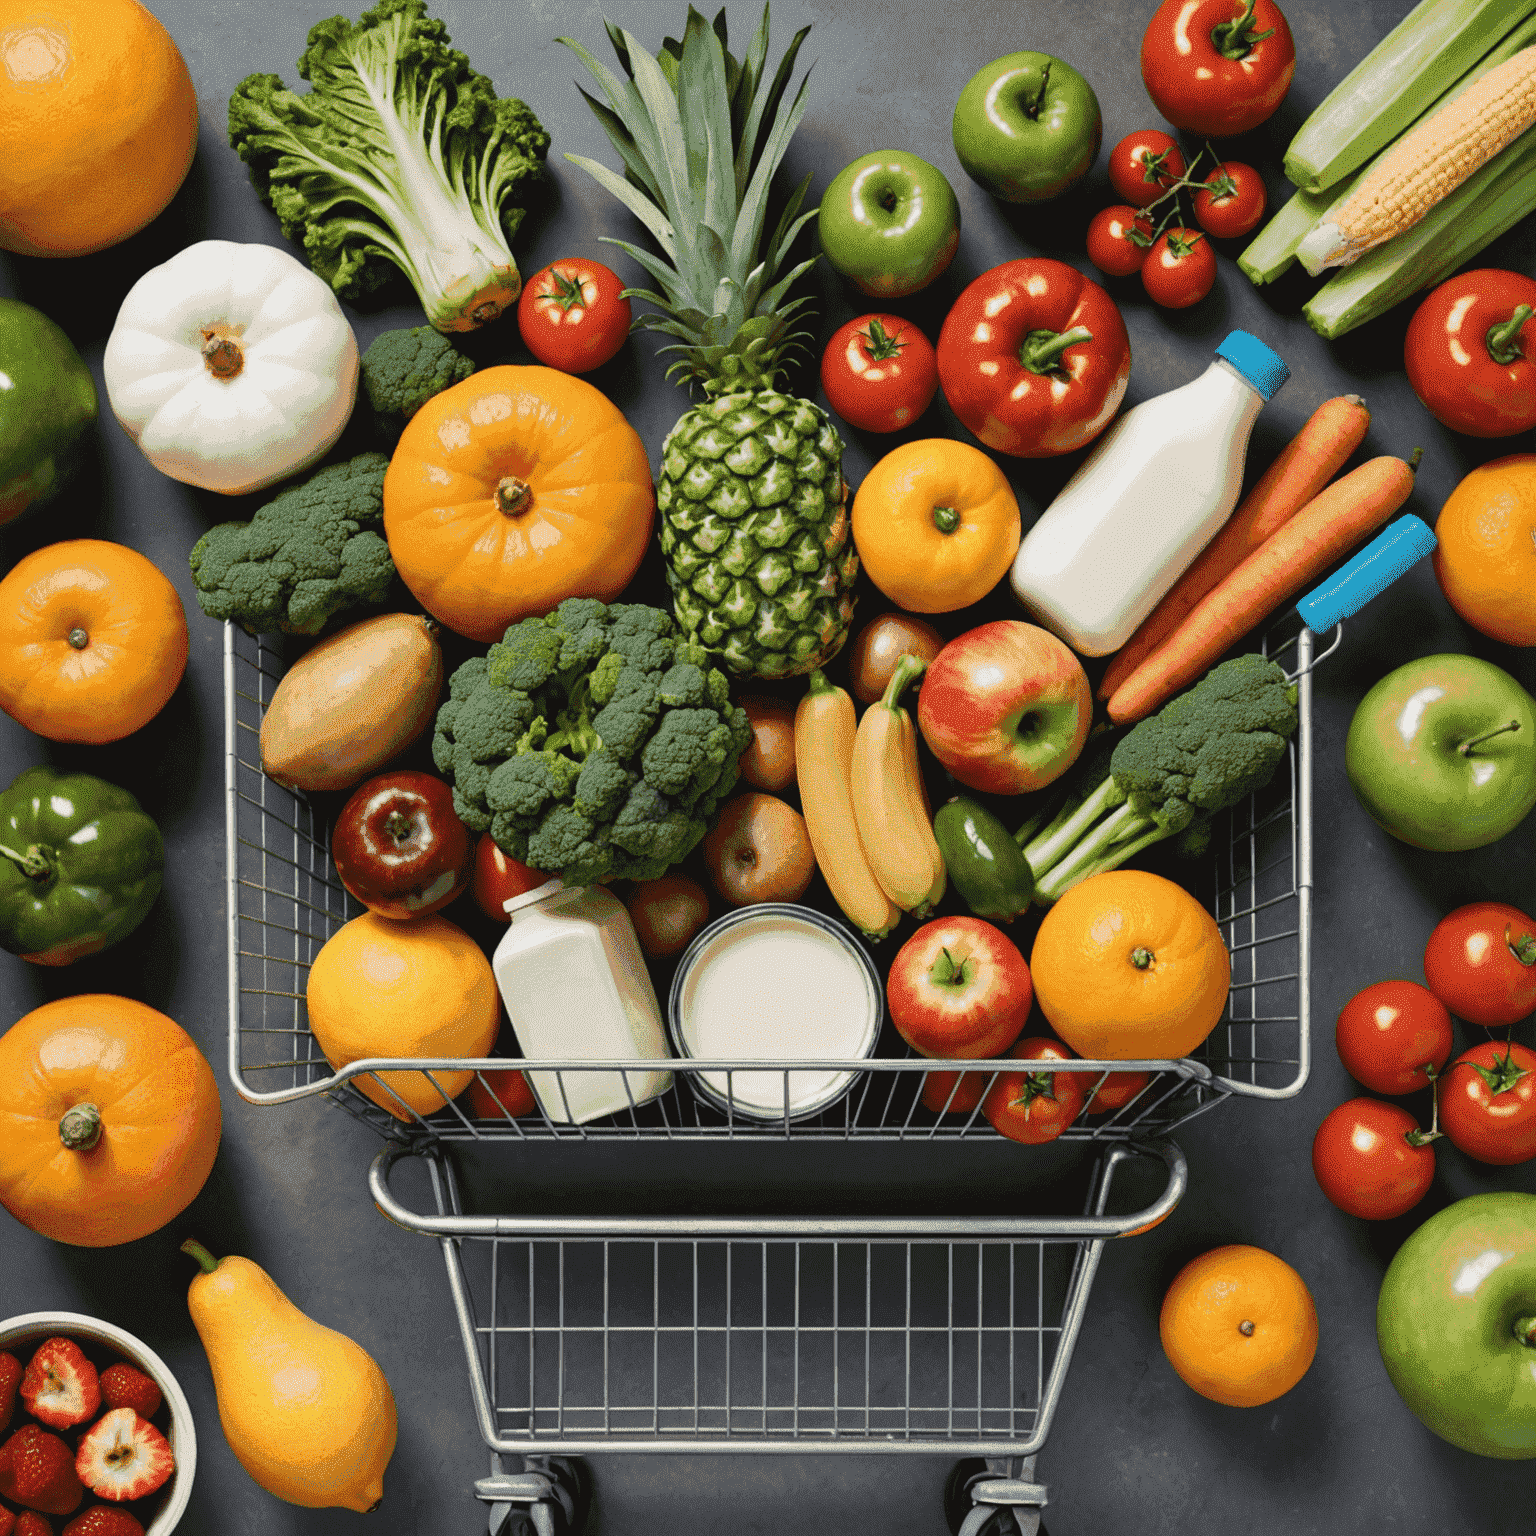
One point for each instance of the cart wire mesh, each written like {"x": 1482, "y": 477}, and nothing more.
{"x": 762, "y": 1335}
{"x": 284, "y": 900}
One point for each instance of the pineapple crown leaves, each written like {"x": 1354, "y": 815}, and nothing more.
{"x": 701, "y": 136}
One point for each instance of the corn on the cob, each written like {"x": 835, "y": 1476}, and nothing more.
{"x": 1427, "y": 164}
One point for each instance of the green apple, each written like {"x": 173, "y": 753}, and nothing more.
{"x": 1442, "y": 753}
{"x": 889, "y": 223}
{"x": 1027, "y": 127}
{"x": 1456, "y": 1324}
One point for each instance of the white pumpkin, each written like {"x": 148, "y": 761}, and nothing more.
{"x": 231, "y": 366}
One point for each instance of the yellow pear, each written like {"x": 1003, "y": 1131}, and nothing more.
{"x": 305, "y": 1409}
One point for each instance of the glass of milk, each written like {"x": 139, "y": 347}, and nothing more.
{"x": 775, "y": 982}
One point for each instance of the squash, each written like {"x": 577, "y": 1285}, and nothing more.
{"x": 511, "y": 491}
{"x": 355, "y": 701}
{"x": 936, "y": 525}
{"x": 109, "y": 1120}
{"x": 93, "y": 641}
{"x": 231, "y": 366}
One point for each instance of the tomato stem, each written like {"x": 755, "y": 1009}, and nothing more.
{"x": 1233, "y": 40}
{"x": 879, "y": 343}
{"x": 566, "y": 291}
{"x": 1042, "y": 350}
{"x": 1416, "y": 1137}
{"x": 1523, "y": 948}
{"x": 1466, "y": 747}
{"x": 1504, "y": 340}
{"x": 1503, "y": 1074}
{"x": 1034, "y": 1085}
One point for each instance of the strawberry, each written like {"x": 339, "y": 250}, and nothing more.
{"x": 36, "y": 1470}
{"x": 60, "y": 1388}
{"x": 124, "y": 1456}
{"x": 122, "y": 1386}
{"x": 102, "y": 1520}
{"x": 32, "y": 1524}
{"x": 10, "y": 1379}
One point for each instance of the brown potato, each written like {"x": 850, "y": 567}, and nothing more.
{"x": 769, "y": 763}
{"x": 759, "y": 851}
{"x": 667, "y": 913}
{"x": 880, "y": 645}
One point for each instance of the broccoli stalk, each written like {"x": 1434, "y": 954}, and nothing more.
{"x": 1202, "y": 752}
{"x": 400, "y": 154}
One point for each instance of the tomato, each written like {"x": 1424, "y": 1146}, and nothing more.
{"x": 1143, "y": 165}
{"x": 1116, "y": 1091}
{"x": 497, "y": 879}
{"x": 1217, "y": 67}
{"x": 1180, "y": 269}
{"x": 954, "y": 1093}
{"x": 1118, "y": 239}
{"x": 1481, "y": 963}
{"x": 1232, "y": 200}
{"x": 1366, "y": 1163}
{"x": 501, "y": 1092}
{"x": 1470, "y": 353}
{"x": 1035, "y": 1107}
{"x": 879, "y": 372}
{"x": 1488, "y": 1103}
{"x": 573, "y": 315}
{"x": 1387, "y": 1034}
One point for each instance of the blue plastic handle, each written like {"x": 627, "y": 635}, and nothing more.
{"x": 1399, "y": 546}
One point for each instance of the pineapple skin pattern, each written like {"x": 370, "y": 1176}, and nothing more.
{"x": 755, "y": 530}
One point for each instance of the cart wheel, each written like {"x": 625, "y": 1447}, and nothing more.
{"x": 551, "y": 1497}
{"x": 960, "y": 1507}
{"x": 572, "y": 1488}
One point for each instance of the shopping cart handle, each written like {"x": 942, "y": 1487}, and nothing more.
{"x": 1373, "y": 570}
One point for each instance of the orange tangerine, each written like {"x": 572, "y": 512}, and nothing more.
{"x": 1485, "y": 557}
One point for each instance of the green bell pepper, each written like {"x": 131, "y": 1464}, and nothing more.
{"x": 47, "y": 400}
{"x": 80, "y": 865}
{"x": 983, "y": 859}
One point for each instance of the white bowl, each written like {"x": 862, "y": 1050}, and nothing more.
{"x": 21, "y": 1335}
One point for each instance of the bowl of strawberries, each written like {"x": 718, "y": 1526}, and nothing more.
{"x": 96, "y": 1437}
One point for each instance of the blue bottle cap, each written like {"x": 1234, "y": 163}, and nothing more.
{"x": 1262, "y": 366}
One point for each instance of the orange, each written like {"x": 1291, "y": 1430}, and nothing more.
{"x": 1239, "y": 1326}
{"x": 423, "y": 988}
{"x": 1486, "y": 554}
{"x": 1129, "y": 966}
{"x": 98, "y": 121}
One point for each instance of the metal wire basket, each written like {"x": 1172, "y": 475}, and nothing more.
{"x": 285, "y": 901}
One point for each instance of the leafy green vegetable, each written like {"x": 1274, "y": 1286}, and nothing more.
{"x": 401, "y": 155}
{"x": 594, "y": 742}
{"x": 1202, "y": 752}
{"x": 312, "y": 551}
{"x": 402, "y": 370}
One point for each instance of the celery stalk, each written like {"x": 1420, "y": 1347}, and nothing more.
{"x": 1435, "y": 43}
{"x": 1274, "y": 248}
{"x": 1455, "y": 229}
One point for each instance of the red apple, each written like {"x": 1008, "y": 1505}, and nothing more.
{"x": 400, "y": 847}
{"x": 1005, "y": 707}
{"x": 959, "y": 988}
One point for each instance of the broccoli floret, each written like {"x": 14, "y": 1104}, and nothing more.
{"x": 400, "y": 156}
{"x": 1202, "y": 752}
{"x": 311, "y": 552}
{"x": 402, "y": 370}
{"x": 591, "y": 742}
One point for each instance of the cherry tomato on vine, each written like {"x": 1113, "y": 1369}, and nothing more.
{"x": 497, "y": 878}
{"x": 1217, "y": 67}
{"x": 1365, "y": 1162}
{"x": 1481, "y": 963}
{"x": 1035, "y": 1106}
{"x": 1112, "y": 246}
{"x": 1143, "y": 165}
{"x": 1488, "y": 1103}
{"x": 880, "y": 373}
{"x": 1389, "y": 1032}
{"x": 1232, "y": 200}
{"x": 571, "y": 315}
{"x": 1180, "y": 269}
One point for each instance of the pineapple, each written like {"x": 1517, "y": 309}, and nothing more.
{"x": 753, "y": 504}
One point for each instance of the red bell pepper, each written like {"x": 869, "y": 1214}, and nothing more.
{"x": 1470, "y": 353}
{"x": 1034, "y": 358}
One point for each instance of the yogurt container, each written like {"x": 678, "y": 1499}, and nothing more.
{"x": 775, "y": 981}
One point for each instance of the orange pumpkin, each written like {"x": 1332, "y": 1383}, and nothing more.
{"x": 1129, "y": 966}
{"x": 936, "y": 525}
{"x": 109, "y": 1120}
{"x": 515, "y": 489}
{"x": 93, "y": 641}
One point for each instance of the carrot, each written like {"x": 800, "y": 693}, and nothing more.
{"x": 1304, "y": 466}
{"x": 1330, "y": 525}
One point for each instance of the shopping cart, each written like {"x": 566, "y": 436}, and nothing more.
{"x": 769, "y": 1332}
